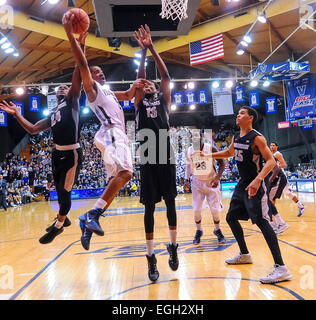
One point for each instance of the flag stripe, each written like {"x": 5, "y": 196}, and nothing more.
{"x": 208, "y": 59}
{"x": 207, "y": 49}
{"x": 208, "y": 55}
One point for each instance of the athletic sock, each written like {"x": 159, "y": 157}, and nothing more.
{"x": 59, "y": 224}
{"x": 100, "y": 204}
{"x": 173, "y": 236}
{"x": 150, "y": 247}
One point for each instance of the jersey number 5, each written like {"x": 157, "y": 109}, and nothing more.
{"x": 238, "y": 155}
{"x": 151, "y": 112}
{"x": 55, "y": 118}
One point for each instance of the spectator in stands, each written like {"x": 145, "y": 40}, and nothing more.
{"x": 3, "y": 202}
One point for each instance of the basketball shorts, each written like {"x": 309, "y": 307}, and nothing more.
{"x": 116, "y": 154}
{"x": 277, "y": 186}
{"x": 157, "y": 181}
{"x": 201, "y": 191}
{"x": 243, "y": 208}
{"x": 66, "y": 166}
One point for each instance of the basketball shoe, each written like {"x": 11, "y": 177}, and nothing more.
{"x": 85, "y": 237}
{"x": 90, "y": 220}
{"x": 220, "y": 237}
{"x": 50, "y": 236}
{"x": 279, "y": 273}
{"x": 282, "y": 227}
{"x": 197, "y": 237}
{"x": 153, "y": 273}
{"x": 173, "y": 259}
{"x": 67, "y": 223}
{"x": 240, "y": 259}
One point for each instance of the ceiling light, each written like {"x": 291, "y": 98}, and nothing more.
{"x": 244, "y": 43}
{"x": 19, "y": 91}
{"x": 266, "y": 83}
{"x": 191, "y": 85}
{"x": 3, "y": 39}
{"x": 229, "y": 83}
{"x": 171, "y": 85}
{"x": 247, "y": 39}
{"x": 9, "y": 50}
{"x": 262, "y": 17}
{"x": 6, "y": 45}
{"x": 254, "y": 83}
{"x": 136, "y": 62}
{"x": 85, "y": 110}
{"x": 173, "y": 107}
{"x": 46, "y": 112}
{"x": 215, "y": 84}
{"x": 192, "y": 107}
{"x": 240, "y": 52}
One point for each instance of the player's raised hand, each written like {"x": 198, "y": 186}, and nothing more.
{"x": 82, "y": 38}
{"x": 9, "y": 108}
{"x": 138, "y": 37}
{"x": 67, "y": 22}
{"x": 146, "y": 37}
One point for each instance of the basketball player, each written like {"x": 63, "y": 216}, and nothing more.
{"x": 157, "y": 179}
{"x": 205, "y": 185}
{"x": 67, "y": 154}
{"x": 250, "y": 198}
{"x": 281, "y": 162}
{"x": 111, "y": 139}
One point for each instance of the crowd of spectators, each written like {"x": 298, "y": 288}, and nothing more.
{"x": 22, "y": 180}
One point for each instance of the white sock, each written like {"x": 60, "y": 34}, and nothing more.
{"x": 59, "y": 224}
{"x": 150, "y": 247}
{"x": 173, "y": 236}
{"x": 279, "y": 218}
{"x": 300, "y": 204}
{"x": 100, "y": 204}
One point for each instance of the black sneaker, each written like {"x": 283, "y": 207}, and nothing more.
{"x": 50, "y": 236}
{"x": 67, "y": 223}
{"x": 173, "y": 259}
{"x": 220, "y": 236}
{"x": 197, "y": 237}
{"x": 153, "y": 273}
{"x": 85, "y": 237}
{"x": 91, "y": 221}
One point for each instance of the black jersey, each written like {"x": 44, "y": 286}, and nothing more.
{"x": 152, "y": 113}
{"x": 65, "y": 123}
{"x": 249, "y": 164}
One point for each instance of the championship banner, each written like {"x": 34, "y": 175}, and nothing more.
{"x": 301, "y": 95}
{"x": 239, "y": 94}
{"x": 3, "y": 119}
{"x": 271, "y": 103}
{"x": 202, "y": 96}
{"x": 222, "y": 101}
{"x": 126, "y": 105}
{"x": 34, "y": 103}
{"x": 190, "y": 97}
{"x": 19, "y": 107}
{"x": 177, "y": 97}
{"x": 254, "y": 100}
{"x": 52, "y": 102}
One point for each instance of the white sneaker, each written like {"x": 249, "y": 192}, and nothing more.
{"x": 282, "y": 227}
{"x": 240, "y": 259}
{"x": 274, "y": 226}
{"x": 301, "y": 209}
{"x": 280, "y": 273}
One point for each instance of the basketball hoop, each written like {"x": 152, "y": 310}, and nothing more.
{"x": 174, "y": 9}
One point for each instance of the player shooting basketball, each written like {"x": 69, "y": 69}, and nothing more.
{"x": 117, "y": 156}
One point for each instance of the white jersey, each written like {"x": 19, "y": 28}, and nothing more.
{"x": 202, "y": 168}
{"x": 108, "y": 109}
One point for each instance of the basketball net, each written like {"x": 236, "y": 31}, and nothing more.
{"x": 174, "y": 9}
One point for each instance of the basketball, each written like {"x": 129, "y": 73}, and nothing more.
{"x": 81, "y": 20}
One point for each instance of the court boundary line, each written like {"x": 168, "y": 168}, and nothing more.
{"x": 40, "y": 272}
{"x": 293, "y": 293}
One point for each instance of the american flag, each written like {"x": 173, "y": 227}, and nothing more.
{"x": 207, "y": 50}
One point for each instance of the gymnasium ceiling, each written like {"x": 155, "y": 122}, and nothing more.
{"x": 44, "y": 52}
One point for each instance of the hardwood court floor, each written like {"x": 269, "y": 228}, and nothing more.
{"x": 115, "y": 267}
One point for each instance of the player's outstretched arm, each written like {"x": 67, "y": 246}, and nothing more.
{"x": 75, "y": 88}
{"x": 161, "y": 66}
{"x": 81, "y": 60}
{"x": 224, "y": 154}
{"x": 29, "y": 127}
{"x": 130, "y": 93}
